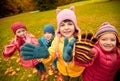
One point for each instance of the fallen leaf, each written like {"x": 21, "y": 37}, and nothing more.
{"x": 30, "y": 75}
{"x": 34, "y": 71}
{"x": 13, "y": 57}
{"x": 13, "y": 73}
{"x": 18, "y": 60}
{"x": 50, "y": 72}
{"x": 9, "y": 70}
{"x": 22, "y": 78}
{"x": 17, "y": 69}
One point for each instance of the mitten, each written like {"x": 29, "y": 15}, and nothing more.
{"x": 54, "y": 63}
{"x": 83, "y": 48}
{"x": 30, "y": 51}
{"x": 40, "y": 66}
{"x": 9, "y": 50}
{"x": 68, "y": 50}
{"x": 48, "y": 43}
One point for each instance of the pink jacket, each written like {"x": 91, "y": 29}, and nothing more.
{"x": 13, "y": 46}
{"x": 103, "y": 67}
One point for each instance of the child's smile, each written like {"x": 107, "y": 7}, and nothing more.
{"x": 67, "y": 29}
{"x": 21, "y": 32}
{"x": 107, "y": 41}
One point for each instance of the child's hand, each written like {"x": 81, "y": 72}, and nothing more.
{"x": 30, "y": 51}
{"x": 68, "y": 50}
{"x": 83, "y": 48}
{"x": 41, "y": 66}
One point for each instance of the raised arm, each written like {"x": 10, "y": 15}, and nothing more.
{"x": 30, "y": 51}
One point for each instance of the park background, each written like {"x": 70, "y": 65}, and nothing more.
{"x": 90, "y": 15}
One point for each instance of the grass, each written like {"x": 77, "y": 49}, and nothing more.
{"x": 90, "y": 14}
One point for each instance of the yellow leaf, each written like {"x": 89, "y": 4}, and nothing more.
{"x": 50, "y": 72}
{"x": 29, "y": 75}
{"x": 18, "y": 60}
{"x": 13, "y": 57}
{"x": 22, "y": 78}
{"x": 34, "y": 71}
{"x": 13, "y": 73}
{"x": 17, "y": 69}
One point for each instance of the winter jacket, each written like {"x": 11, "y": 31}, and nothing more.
{"x": 45, "y": 42}
{"x": 104, "y": 65}
{"x": 66, "y": 69}
{"x": 14, "y": 45}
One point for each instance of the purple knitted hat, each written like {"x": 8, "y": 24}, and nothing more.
{"x": 106, "y": 27}
{"x": 66, "y": 14}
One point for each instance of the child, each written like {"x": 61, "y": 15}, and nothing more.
{"x": 48, "y": 35}
{"x": 67, "y": 27}
{"x": 106, "y": 59}
{"x": 46, "y": 39}
{"x": 21, "y": 36}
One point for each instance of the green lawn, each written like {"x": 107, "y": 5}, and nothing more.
{"x": 90, "y": 14}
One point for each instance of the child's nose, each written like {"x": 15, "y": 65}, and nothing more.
{"x": 22, "y": 33}
{"x": 108, "y": 42}
{"x": 66, "y": 26}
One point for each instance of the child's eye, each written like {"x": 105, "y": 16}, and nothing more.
{"x": 18, "y": 32}
{"x": 113, "y": 39}
{"x": 70, "y": 23}
{"x": 103, "y": 39}
{"x": 62, "y": 25}
{"x": 23, "y": 30}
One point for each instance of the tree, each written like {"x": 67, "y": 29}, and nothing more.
{"x": 7, "y": 8}
{"x": 12, "y": 7}
{"x": 43, "y": 5}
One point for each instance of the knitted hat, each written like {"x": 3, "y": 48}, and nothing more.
{"x": 49, "y": 28}
{"x": 106, "y": 27}
{"x": 16, "y": 26}
{"x": 66, "y": 14}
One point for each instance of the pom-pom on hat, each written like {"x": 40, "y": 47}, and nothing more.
{"x": 104, "y": 28}
{"x": 66, "y": 14}
{"x": 49, "y": 28}
{"x": 17, "y": 25}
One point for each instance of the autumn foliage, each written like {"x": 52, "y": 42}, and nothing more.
{"x": 12, "y": 7}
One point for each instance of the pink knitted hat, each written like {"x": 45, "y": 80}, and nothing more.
{"x": 66, "y": 14}
{"x": 106, "y": 27}
{"x": 16, "y": 26}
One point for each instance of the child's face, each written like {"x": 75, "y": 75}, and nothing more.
{"x": 107, "y": 41}
{"x": 67, "y": 29}
{"x": 21, "y": 32}
{"x": 48, "y": 36}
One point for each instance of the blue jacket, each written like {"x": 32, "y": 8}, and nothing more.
{"x": 45, "y": 42}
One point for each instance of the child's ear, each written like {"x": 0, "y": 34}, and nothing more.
{"x": 72, "y": 8}
{"x": 58, "y": 10}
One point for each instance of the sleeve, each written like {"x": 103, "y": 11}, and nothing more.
{"x": 9, "y": 49}
{"x": 52, "y": 51}
{"x": 31, "y": 39}
{"x": 34, "y": 41}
